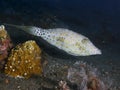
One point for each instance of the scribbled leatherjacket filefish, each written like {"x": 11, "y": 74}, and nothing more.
{"x": 64, "y": 39}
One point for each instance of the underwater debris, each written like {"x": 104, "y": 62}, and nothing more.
{"x": 24, "y": 60}
{"x": 86, "y": 77}
{"x": 5, "y": 45}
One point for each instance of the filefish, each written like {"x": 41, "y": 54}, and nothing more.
{"x": 67, "y": 40}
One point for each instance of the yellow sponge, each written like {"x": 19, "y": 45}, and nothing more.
{"x": 24, "y": 60}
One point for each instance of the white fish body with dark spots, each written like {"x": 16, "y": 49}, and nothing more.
{"x": 64, "y": 39}
{"x": 67, "y": 40}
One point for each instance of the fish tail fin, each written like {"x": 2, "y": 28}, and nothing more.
{"x": 16, "y": 26}
{"x": 12, "y": 25}
{"x": 28, "y": 29}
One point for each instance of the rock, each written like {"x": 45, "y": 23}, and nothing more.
{"x": 24, "y": 60}
{"x": 87, "y": 77}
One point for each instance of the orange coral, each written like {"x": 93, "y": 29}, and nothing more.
{"x": 24, "y": 60}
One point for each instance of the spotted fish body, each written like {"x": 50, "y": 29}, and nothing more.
{"x": 64, "y": 39}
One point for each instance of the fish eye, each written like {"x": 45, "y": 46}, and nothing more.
{"x": 85, "y": 40}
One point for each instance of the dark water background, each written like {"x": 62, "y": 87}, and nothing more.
{"x": 97, "y": 19}
{"x": 90, "y": 15}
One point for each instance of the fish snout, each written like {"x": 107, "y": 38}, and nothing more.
{"x": 96, "y": 51}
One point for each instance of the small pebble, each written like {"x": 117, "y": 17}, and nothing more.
{"x": 6, "y": 81}
{"x": 18, "y": 87}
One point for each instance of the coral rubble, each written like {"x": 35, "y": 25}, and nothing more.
{"x": 87, "y": 77}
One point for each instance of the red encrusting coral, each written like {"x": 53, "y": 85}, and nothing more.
{"x": 5, "y": 45}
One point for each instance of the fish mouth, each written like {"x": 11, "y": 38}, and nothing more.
{"x": 97, "y": 52}
{"x": 100, "y": 52}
